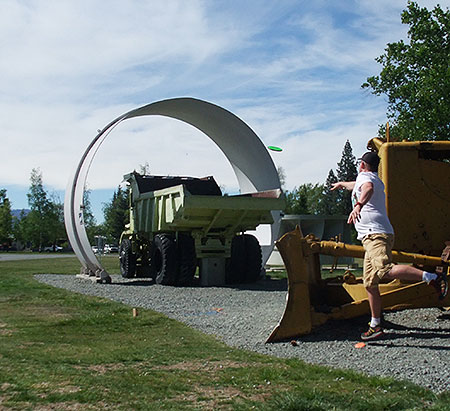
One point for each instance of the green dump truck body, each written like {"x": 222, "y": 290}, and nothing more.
{"x": 175, "y": 209}
{"x": 171, "y": 206}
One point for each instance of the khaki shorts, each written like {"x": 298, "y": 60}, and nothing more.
{"x": 377, "y": 258}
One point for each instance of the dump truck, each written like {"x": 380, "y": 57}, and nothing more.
{"x": 416, "y": 176}
{"x": 178, "y": 223}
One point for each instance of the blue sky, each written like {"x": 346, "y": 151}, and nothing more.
{"x": 292, "y": 70}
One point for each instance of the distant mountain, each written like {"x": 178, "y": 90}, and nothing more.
{"x": 16, "y": 213}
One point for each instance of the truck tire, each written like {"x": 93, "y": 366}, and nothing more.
{"x": 187, "y": 260}
{"x": 164, "y": 259}
{"x": 127, "y": 259}
{"x": 244, "y": 265}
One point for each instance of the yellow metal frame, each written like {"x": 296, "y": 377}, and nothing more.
{"x": 417, "y": 187}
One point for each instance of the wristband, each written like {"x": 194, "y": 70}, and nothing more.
{"x": 361, "y": 204}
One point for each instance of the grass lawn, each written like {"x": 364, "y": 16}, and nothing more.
{"x": 63, "y": 351}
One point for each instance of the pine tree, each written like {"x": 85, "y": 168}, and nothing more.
{"x": 330, "y": 198}
{"x": 346, "y": 171}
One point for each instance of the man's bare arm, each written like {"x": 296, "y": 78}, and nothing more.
{"x": 348, "y": 185}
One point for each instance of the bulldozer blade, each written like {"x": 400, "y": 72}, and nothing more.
{"x": 296, "y": 319}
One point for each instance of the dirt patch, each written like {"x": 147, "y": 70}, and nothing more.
{"x": 208, "y": 398}
{"x": 4, "y": 330}
{"x": 208, "y": 366}
{"x": 219, "y": 397}
{"x": 47, "y": 312}
{"x": 102, "y": 369}
{"x": 192, "y": 366}
{"x": 47, "y": 388}
{"x": 63, "y": 406}
{"x": 6, "y": 386}
{"x": 57, "y": 406}
{"x": 68, "y": 389}
{"x": 3, "y": 399}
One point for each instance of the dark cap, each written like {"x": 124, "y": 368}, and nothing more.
{"x": 371, "y": 158}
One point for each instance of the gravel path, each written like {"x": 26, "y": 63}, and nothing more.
{"x": 416, "y": 346}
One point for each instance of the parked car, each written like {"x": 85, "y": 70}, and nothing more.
{"x": 111, "y": 248}
{"x": 53, "y": 248}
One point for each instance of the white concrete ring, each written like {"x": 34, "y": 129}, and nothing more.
{"x": 250, "y": 160}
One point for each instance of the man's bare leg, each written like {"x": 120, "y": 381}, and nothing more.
{"x": 405, "y": 272}
{"x": 374, "y": 297}
{"x": 375, "y": 329}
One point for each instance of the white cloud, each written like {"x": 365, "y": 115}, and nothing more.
{"x": 292, "y": 70}
{"x": 67, "y": 43}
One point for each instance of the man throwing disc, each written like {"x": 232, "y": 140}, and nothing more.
{"x": 377, "y": 236}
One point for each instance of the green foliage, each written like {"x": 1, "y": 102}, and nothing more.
{"x": 19, "y": 228}
{"x": 295, "y": 202}
{"x": 5, "y": 218}
{"x": 88, "y": 215}
{"x": 116, "y": 214}
{"x": 88, "y": 218}
{"x": 44, "y": 225}
{"x": 306, "y": 199}
{"x": 416, "y": 76}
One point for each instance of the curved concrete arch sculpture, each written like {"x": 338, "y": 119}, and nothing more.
{"x": 250, "y": 160}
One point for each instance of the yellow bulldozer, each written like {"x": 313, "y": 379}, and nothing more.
{"x": 417, "y": 185}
